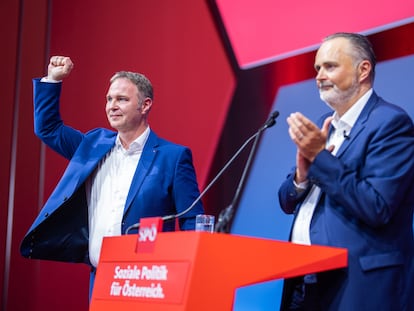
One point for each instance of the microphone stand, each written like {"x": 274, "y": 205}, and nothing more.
{"x": 213, "y": 181}
{"x": 226, "y": 215}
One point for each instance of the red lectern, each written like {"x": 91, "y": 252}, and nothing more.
{"x": 196, "y": 271}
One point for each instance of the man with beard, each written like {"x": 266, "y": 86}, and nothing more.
{"x": 352, "y": 187}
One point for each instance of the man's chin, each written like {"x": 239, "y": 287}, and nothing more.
{"x": 325, "y": 96}
{"x": 327, "y": 100}
{"x": 114, "y": 125}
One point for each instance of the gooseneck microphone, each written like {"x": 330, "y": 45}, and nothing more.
{"x": 226, "y": 215}
{"x": 221, "y": 221}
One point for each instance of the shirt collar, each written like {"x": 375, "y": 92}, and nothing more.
{"x": 349, "y": 118}
{"x": 137, "y": 145}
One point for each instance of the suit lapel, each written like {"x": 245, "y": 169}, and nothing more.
{"x": 96, "y": 151}
{"x": 143, "y": 168}
{"x": 359, "y": 124}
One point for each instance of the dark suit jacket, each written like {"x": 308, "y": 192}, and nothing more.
{"x": 366, "y": 206}
{"x": 164, "y": 183}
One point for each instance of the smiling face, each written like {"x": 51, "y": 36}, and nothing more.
{"x": 126, "y": 108}
{"x": 340, "y": 74}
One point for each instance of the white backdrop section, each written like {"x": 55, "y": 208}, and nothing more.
{"x": 259, "y": 213}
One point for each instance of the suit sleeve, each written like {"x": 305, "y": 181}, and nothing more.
{"x": 48, "y": 125}
{"x": 186, "y": 190}
{"x": 289, "y": 197}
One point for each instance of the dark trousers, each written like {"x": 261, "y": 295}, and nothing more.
{"x": 305, "y": 295}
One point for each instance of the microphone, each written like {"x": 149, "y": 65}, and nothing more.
{"x": 346, "y": 136}
{"x": 269, "y": 123}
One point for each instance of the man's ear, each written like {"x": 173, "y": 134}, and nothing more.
{"x": 146, "y": 105}
{"x": 364, "y": 69}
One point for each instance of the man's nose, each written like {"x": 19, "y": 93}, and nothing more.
{"x": 320, "y": 75}
{"x": 111, "y": 103}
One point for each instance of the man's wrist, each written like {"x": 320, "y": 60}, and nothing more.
{"x": 301, "y": 185}
{"x": 49, "y": 80}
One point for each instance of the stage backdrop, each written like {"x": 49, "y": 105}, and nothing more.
{"x": 211, "y": 91}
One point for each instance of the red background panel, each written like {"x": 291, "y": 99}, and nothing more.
{"x": 9, "y": 15}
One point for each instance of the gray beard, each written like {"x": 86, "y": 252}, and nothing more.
{"x": 335, "y": 98}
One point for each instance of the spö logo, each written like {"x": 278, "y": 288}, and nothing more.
{"x": 147, "y": 234}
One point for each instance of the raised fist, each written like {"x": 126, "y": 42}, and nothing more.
{"x": 59, "y": 67}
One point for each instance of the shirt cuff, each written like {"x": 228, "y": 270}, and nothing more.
{"x": 47, "y": 80}
{"x": 300, "y": 187}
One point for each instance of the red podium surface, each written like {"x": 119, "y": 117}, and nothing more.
{"x": 196, "y": 271}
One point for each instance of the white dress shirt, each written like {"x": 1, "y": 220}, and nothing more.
{"x": 107, "y": 190}
{"x": 342, "y": 128}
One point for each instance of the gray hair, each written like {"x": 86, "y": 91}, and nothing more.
{"x": 362, "y": 48}
{"x": 142, "y": 82}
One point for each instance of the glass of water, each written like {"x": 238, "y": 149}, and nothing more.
{"x": 204, "y": 223}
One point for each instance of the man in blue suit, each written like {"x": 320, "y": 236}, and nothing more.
{"x": 352, "y": 187}
{"x": 113, "y": 179}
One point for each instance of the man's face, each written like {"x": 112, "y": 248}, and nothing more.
{"x": 337, "y": 74}
{"x": 123, "y": 109}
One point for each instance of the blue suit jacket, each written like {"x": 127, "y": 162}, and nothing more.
{"x": 164, "y": 183}
{"x": 366, "y": 206}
